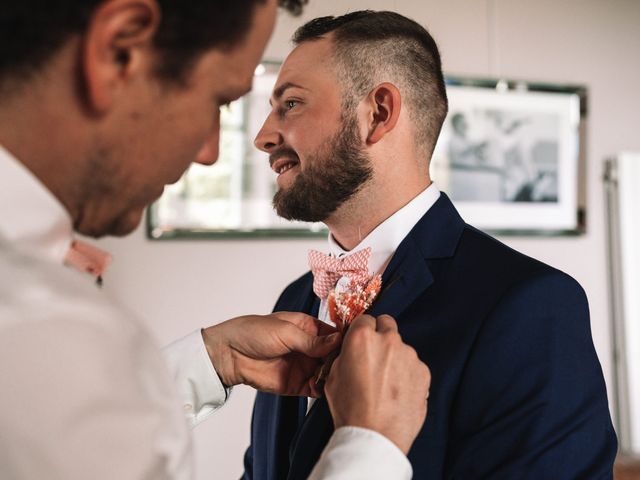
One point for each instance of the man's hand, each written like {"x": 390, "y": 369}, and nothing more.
{"x": 277, "y": 353}
{"x": 378, "y": 382}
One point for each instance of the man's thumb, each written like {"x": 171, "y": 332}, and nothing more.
{"x": 323, "y": 345}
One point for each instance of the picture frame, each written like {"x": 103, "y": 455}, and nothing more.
{"x": 509, "y": 155}
{"x": 234, "y": 199}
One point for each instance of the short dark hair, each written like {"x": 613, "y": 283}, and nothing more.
{"x": 372, "y": 47}
{"x": 32, "y": 30}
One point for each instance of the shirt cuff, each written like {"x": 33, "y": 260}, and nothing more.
{"x": 358, "y": 453}
{"x": 199, "y": 387}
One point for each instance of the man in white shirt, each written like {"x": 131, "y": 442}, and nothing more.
{"x": 102, "y": 103}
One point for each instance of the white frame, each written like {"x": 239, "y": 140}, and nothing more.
{"x": 520, "y": 217}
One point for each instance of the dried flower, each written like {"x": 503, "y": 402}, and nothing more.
{"x": 345, "y": 306}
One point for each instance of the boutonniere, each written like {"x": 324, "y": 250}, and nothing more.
{"x": 344, "y": 307}
{"x": 356, "y": 299}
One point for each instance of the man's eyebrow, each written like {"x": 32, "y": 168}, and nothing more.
{"x": 278, "y": 92}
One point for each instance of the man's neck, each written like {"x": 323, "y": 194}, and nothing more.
{"x": 39, "y": 125}
{"x": 41, "y": 143}
{"x": 358, "y": 217}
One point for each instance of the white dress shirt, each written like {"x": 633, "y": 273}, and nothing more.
{"x": 86, "y": 393}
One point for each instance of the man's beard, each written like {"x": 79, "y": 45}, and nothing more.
{"x": 332, "y": 176}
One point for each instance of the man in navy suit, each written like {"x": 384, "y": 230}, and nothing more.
{"x": 517, "y": 390}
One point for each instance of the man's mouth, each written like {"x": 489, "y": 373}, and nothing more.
{"x": 283, "y": 164}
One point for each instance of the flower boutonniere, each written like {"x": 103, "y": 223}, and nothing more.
{"x": 346, "y": 305}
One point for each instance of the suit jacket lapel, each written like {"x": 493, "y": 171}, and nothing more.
{"x": 406, "y": 277}
{"x": 436, "y": 235}
{"x": 312, "y": 438}
{"x": 305, "y": 301}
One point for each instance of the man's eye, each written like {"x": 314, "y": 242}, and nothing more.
{"x": 286, "y": 106}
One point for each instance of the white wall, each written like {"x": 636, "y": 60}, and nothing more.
{"x": 179, "y": 286}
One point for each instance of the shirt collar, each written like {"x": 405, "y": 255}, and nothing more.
{"x": 31, "y": 217}
{"x": 386, "y": 237}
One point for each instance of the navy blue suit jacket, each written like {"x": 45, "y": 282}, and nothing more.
{"x": 517, "y": 391}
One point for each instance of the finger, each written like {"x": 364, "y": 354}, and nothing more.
{"x": 324, "y": 328}
{"x": 307, "y": 323}
{"x": 322, "y": 373}
{"x": 303, "y": 321}
{"x": 363, "y": 322}
{"x": 313, "y": 388}
{"x": 331, "y": 372}
{"x": 386, "y": 323}
{"x": 312, "y": 346}
{"x": 323, "y": 346}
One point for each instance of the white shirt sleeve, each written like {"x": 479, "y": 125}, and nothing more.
{"x": 355, "y": 453}
{"x": 199, "y": 388}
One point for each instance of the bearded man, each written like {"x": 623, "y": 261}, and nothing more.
{"x": 517, "y": 389}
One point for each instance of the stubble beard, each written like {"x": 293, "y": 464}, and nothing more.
{"x": 101, "y": 211}
{"x": 331, "y": 177}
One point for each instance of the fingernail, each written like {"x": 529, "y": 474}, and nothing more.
{"x": 333, "y": 337}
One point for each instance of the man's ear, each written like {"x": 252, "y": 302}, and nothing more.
{"x": 384, "y": 102}
{"x": 118, "y": 38}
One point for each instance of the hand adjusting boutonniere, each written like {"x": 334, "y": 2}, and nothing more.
{"x": 344, "y": 303}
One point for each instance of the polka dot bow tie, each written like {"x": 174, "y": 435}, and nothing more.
{"x": 328, "y": 270}
{"x": 87, "y": 258}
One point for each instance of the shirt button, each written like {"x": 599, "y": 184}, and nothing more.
{"x": 187, "y": 407}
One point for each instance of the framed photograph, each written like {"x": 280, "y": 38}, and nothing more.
{"x": 509, "y": 154}
{"x": 234, "y": 197}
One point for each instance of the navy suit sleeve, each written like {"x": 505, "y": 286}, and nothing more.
{"x": 532, "y": 402}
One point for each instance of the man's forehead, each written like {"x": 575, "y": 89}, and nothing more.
{"x": 309, "y": 61}
{"x": 228, "y": 74}
{"x": 317, "y": 52}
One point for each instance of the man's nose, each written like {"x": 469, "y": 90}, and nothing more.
{"x": 208, "y": 153}
{"x": 269, "y": 137}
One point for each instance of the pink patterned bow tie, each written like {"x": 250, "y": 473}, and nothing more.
{"x": 87, "y": 258}
{"x": 328, "y": 270}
